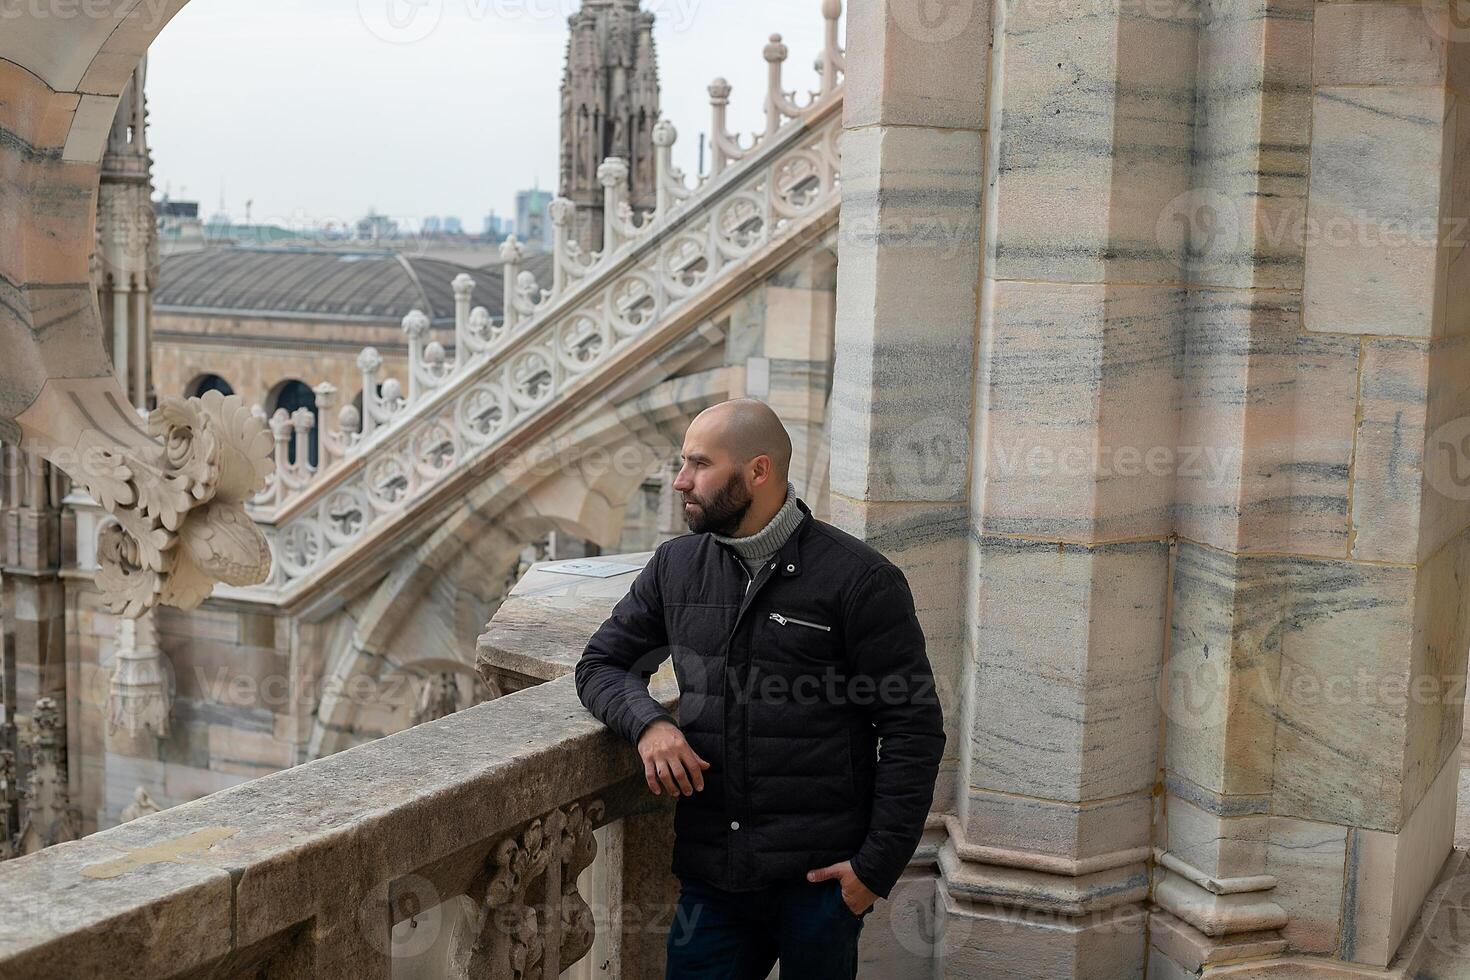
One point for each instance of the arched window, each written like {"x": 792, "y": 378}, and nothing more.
{"x": 209, "y": 382}
{"x": 292, "y": 395}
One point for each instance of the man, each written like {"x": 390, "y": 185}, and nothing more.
{"x": 797, "y": 652}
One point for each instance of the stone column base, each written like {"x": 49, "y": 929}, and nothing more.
{"x": 979, "y": 940}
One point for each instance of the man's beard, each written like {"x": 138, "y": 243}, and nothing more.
{"x": 723, "y": 512}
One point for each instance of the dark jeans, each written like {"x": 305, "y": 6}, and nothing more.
{"x": 720, "y": 935}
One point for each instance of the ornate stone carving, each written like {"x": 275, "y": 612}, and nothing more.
{"x": 176, "y": 489}
{"x": 536, "y": 923}
{"x": 402, "y": 444}
{"x": 141, "y": 691}
{"x": 46, "y": 814}
{"x": 609, "y": 106}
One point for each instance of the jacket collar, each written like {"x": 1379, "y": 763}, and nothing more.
{"x": 788, "y": 556}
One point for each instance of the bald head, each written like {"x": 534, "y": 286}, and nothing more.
{"x": 736, "y": 463}
{"x": 746, "y": 428}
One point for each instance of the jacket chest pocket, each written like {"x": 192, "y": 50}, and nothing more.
{"x": 785, "y": 620}
{"x": 790, "y": 638}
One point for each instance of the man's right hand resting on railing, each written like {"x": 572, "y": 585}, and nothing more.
{"x": 668, "y": 761}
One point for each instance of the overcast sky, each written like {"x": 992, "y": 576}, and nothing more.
{"x": 322, "y": 109}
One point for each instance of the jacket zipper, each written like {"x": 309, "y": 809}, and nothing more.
{"x": 745, "y": 741}
{"x": 783, "y": 620}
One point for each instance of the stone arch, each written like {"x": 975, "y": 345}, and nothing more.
{"x": 61, "y": 79}
{"x": 567, "y": 487}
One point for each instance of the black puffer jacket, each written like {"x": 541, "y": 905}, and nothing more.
{"x": 787, "y": 689}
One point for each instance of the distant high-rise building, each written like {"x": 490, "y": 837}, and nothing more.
{"x": 376, "y": 227}
{"x": 453, "y": 226}
{"x": 532, "y": 220}
{"x": 609, "y": 105}
{"x": 494, "y": 228}
{"x": 432, "y": 226}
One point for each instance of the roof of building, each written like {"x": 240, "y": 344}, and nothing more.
{"x": 327, "y": 284}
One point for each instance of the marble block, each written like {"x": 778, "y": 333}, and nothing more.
{"x": 1092, "y": 131}
{"x": 1216, "y": 845}
{"x": 1223, "y": 671}
{"x": 1306, "y": 859}
{"x": 1266, "y": 426}
{"x": 1078, "y": 388}
{"x": 906, "y": 307}
{"x": 918, "y": 64}
{"x": 1388, "y": 875}
{"x": 1064, "y": 704}
{"x": 1374, "y": 210}
{"x": 1251, "y": 140}
{"x": 1379, "y": 44}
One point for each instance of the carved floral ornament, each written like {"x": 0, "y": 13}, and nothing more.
{"x": 531, "y": 898}
{"x": 175, "y": 484}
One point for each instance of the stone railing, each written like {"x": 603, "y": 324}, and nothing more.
{"x": 476, "y": 827}
{"x": 507, "y": 840}
{"x": 457, "y": 406}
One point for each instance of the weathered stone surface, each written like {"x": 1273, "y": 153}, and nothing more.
{"x": 1064, "y": 705}
{"x": 543, "y": 625}
{"x": 1078, "y": 387}
{"x": 1306, "y": 860}
{"x": 1373, "y": 215}
{"x": 907, "y": 284}
{"x": 1091, "y": 132}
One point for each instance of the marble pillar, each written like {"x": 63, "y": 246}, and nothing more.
{"x": 913, "y": 157}
{"x": 1318, "y": 629}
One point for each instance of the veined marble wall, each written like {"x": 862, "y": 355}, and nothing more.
{"x": 1162, "y": 342}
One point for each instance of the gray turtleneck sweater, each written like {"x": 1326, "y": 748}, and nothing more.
{"x": 760, "y": 546}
